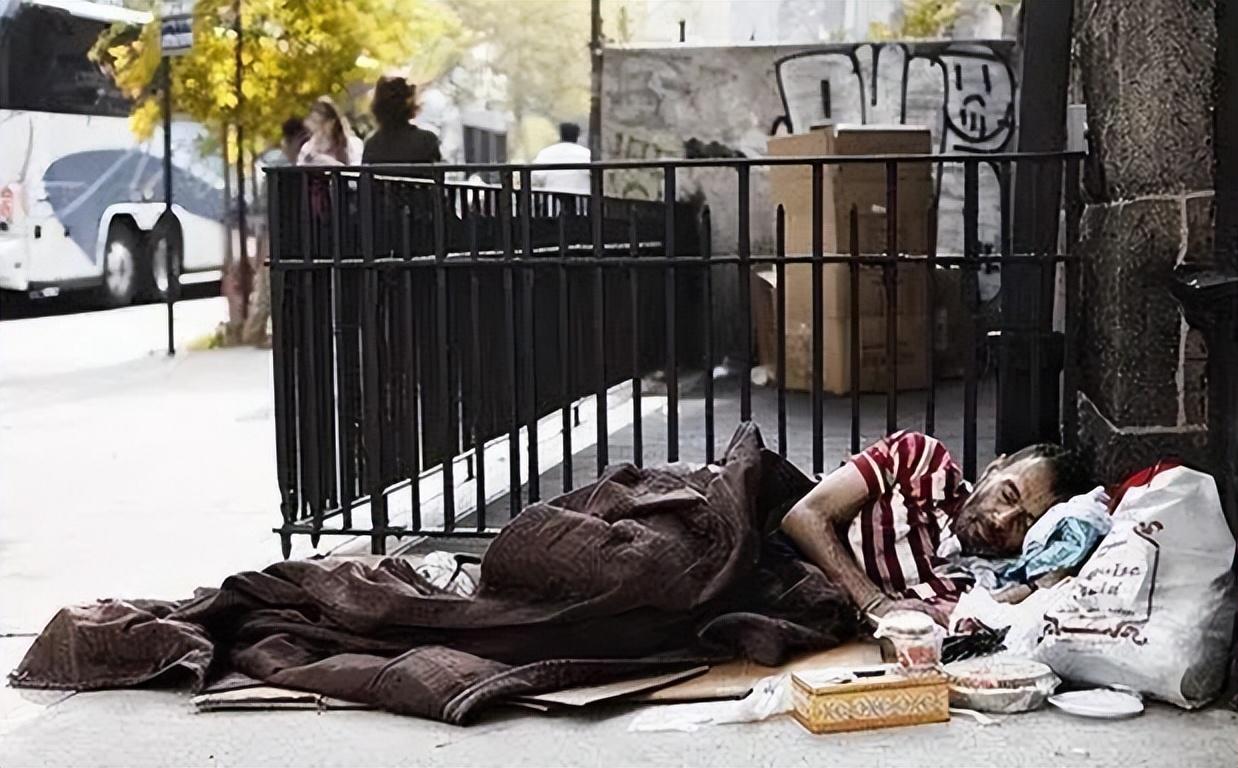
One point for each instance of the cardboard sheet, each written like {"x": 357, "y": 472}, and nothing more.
{"x": 735, "y": 679}
{"x": 591, "y": 694}
{"x": 732, "y": 680}
{"x": 268, "y": 697}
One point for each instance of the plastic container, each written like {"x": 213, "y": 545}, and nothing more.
{"x": 916, "y": 640}
{"x": 1002, "y": 685}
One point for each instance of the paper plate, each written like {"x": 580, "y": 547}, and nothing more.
{"x": 1100, "y": 703}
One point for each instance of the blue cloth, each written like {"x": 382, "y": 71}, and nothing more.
{"x": 1067, "y": 546}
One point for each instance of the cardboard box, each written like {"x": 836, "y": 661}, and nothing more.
{"x": 844, "y": 187}
{"x": 862, "y": 186}
{"x": 911, "y": 320}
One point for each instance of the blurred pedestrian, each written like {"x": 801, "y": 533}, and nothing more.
{"x": 567, "y": 150}
{"x": 256, "y": 330}
{"x": 397, "y": 139}
{"x": 294, "y": 137}
{"x": 331, "y": 140}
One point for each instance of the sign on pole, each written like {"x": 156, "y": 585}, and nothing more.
{"x": 176, "y": 28}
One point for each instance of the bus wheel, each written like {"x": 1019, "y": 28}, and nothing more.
{"x": 120, "y": 259}
{"x": 164, "y": 247}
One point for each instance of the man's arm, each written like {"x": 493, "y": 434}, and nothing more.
{"x": 812, "y": 525}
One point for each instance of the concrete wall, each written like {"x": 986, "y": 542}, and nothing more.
{"x": 657, "y": 100}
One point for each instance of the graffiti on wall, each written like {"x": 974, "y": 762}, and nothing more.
{"x": 718, "y": 102}
{"x": 965, "y": 91}
{"x": 646, "y": 184}
{"x": 636, "y": 184}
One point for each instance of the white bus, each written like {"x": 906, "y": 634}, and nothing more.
{"x": 81, "y": 199}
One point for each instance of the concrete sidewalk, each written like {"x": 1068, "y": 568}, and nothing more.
{"x": 148, "y": 728}
{"x": 125, "y": 473}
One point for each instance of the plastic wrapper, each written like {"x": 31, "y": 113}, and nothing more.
{"x": 446, "y": 571}
{"x": 771, "y": 696}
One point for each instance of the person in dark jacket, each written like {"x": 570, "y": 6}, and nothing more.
{"x": 397, "y": 140}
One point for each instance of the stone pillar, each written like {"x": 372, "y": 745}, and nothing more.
{"x": 1147, "y": 71}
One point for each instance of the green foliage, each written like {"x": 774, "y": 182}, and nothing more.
{"x": 293, "y": 52}
{"x": 921, "y": 19}
{"x": 541, "y": 50}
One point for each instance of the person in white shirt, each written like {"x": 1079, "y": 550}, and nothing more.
{"x": 331, "y": 140}
{"x": 565, "y": 151}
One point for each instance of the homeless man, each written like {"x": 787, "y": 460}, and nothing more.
{"x": 874, "y": 525}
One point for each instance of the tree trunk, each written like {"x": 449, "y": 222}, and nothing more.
{"x": 258, "y": 315}
{"x": 254, "y": 330}
{"x": 233, "y": 284}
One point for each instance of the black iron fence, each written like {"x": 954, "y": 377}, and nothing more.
{"x": 429, "y": 335}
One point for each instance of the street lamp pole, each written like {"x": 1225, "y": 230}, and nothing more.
{"x": 242, "y": 267}
{"x": 171, "y": 271}
{"x": 595, "y": 97}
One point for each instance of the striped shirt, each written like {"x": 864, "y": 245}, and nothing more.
{"x": 914, "y": 490}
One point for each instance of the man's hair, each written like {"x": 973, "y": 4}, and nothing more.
{"x": 393, "y": 101}
{"x": 294, "y": 129}
{"x": 569, "y": 132}
{"x": 1072, "y": 473}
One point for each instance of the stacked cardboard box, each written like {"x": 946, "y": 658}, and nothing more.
{"x": 844, "y": 187}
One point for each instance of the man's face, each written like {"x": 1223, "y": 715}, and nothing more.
{"x": 1007, "y": 499}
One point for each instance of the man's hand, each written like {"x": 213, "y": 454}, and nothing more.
{"x": 937, "y": 613}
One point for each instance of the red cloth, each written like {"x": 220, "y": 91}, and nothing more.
{"x": 1142, "y": 477}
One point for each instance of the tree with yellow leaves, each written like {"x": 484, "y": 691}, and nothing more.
{"x": 921, "y": 19}
{"x": 293, "y": 52}
{"x": 541, "y": 49}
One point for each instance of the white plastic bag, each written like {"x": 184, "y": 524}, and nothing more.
{"x": 445, "y": 571}
{"x": 769, "y": 697}
{"x": 1024, "y": 621}
{"x": 1153, "y": 608}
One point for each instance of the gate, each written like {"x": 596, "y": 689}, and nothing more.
{"x": 445, "y": 353}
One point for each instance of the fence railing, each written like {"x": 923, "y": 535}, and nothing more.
{"x": 453, "y": 350}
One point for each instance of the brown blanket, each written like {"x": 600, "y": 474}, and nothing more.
{"x": 644, "y": 570}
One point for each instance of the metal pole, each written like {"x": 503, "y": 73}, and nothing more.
{"x": 1044, "y": 78}
{"x": 595, "y": 98}
{"x": 170, "y": 294}
{"x": 243, "y": 271}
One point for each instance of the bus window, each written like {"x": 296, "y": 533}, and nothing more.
{"x": 45, "y": 64}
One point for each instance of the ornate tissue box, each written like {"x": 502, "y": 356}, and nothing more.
{"x": 829, "y": 702}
